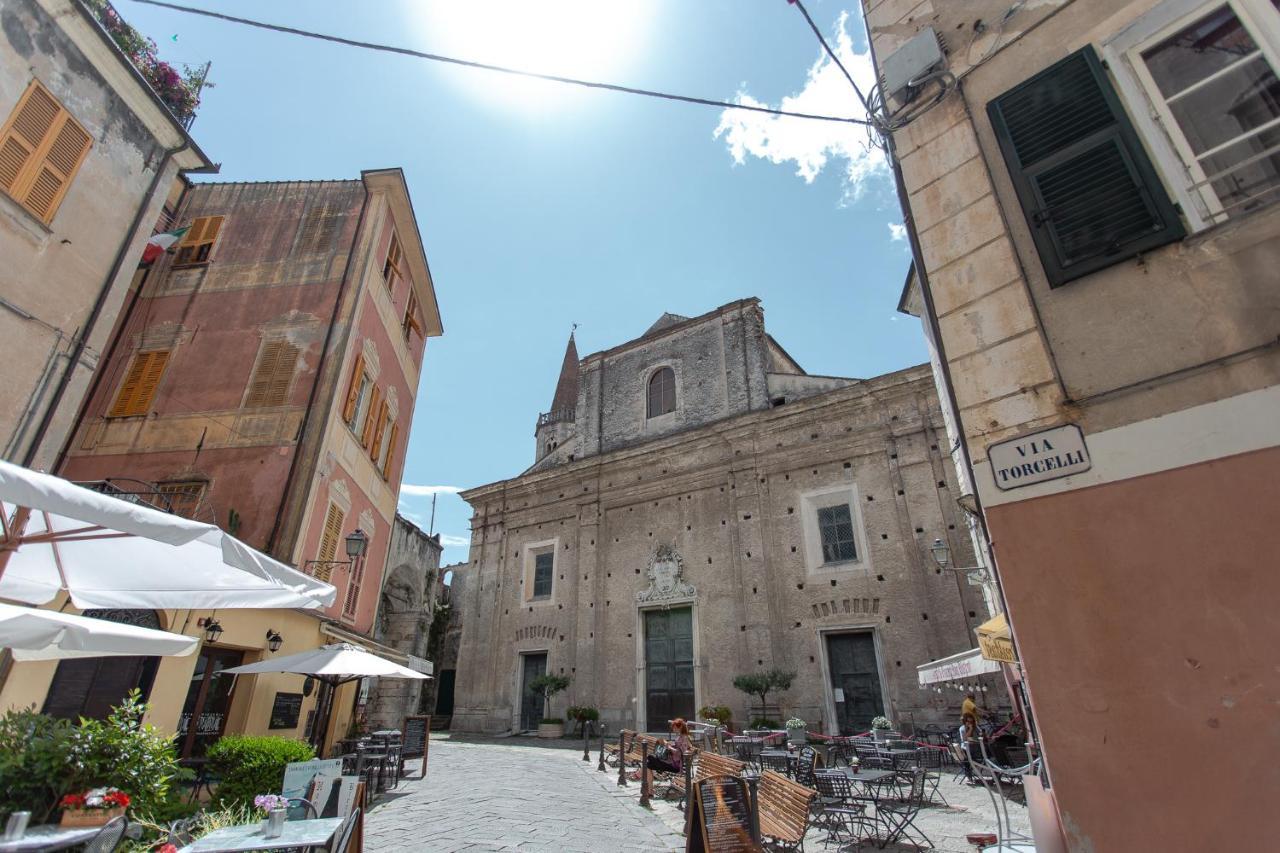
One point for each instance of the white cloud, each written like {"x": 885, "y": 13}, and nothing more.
{"x": 807, "y": 143}
{"x": 450, "y": 541}
{"x": 897, "y": 231}
{"x": 427, "y": 491}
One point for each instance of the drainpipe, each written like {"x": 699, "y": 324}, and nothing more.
{"x": 274, "y": 537}
{"x": 82, "y": 341}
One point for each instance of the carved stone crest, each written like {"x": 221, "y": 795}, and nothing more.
{"x": 666, "y": 578}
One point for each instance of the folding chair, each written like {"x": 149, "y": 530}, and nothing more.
{"x": 775, "y": 761}
{"x": 109, "y": 837}
{"x": 931, "y": 763}
{"x": 899, "y": 814}
{"x": 837, "y": 811}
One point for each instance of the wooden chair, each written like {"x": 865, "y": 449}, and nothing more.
{"x": 784, "y": 811}
{"x": 615, "y": 752}
{"x": 708, "y": 764}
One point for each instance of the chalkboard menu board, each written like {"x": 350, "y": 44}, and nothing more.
{"x": 285, "y": 711}
{"x": 413, "y": 738}
{"x": 721, "y": 817}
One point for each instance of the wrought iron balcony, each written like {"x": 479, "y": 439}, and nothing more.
{"x": 557, "y": 416}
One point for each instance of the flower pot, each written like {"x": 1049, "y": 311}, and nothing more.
{"x": 273, "y": 826}
{"x": 797, "y": 736}
{"x": 89, "y": 817}
{"x": 881, "y": 735}
{"x": 550, "y": 730}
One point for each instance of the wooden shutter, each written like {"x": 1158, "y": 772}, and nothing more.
{"x": 329, "y": 539}
{"x": 139, "y": 387}
{"x": 1087, "y": 187}
{"x": 197, "y": 243}
{"x": 270, "y": 383}
{"x": 41, "y": 149}
{"x": 352, "y": 598}
{"x": 353, "y": 389}
{"x": 380, "y": 426}
{"x": 391, "y": 451}
{"x": 370, "y": 418}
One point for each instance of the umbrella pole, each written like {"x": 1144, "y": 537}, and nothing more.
{"x": 13, "y": 535}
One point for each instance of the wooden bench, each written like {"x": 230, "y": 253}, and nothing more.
{"x": 784, "y": 810}
{"x": 635, "y": 755}
{"x": 705, "y": 765}
{"x": 614, "y": 752}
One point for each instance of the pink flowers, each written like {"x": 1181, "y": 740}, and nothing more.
{"x": 270, "y": 802}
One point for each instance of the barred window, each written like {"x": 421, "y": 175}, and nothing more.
{"x": 835, "y": 524}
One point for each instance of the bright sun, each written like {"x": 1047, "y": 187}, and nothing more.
{"x": 587, "y": 39}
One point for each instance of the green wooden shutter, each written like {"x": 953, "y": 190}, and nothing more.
{"x": 1089, "y": 192}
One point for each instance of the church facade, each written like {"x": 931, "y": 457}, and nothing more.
{"x": 701, "y": 508}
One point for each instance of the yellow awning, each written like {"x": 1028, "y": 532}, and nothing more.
{"x": 995, "y": 641}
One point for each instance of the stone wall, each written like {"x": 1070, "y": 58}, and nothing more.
{"x": 404, "y": 618}
{"x": 731, "y": 499}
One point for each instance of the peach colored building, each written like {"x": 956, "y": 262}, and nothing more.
{"x": 1091, "y": 192}
{"x": 264, "y": 379}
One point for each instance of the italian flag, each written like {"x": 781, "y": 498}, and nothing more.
{"x": 158, "y": 243}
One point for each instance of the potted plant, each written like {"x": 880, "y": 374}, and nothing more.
{"x": 276, "y": 809}
{"x": 547, "y": 686}
{"x": 761, "y": 684}
{"x": 881, "y": 727}
{"x": 796, "y": 731}
{"x": 581, "y": 716}
{"x": 94, "y": 807}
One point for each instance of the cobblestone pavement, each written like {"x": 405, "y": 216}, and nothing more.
{"x": 518, "y": 795}
{"x": 512, "y": 796}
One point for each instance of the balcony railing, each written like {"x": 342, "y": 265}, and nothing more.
{"x": 133, "y": 491}
{"x": 557, "y": 416}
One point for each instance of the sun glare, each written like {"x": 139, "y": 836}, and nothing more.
{"x": 587, "y": 39}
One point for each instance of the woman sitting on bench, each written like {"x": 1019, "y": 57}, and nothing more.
{"x": 670, "y": 758}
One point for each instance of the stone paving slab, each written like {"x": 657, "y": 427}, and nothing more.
{"x": 517, "y": 795}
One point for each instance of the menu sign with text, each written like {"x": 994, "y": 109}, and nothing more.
{"x": 721, "y": 817}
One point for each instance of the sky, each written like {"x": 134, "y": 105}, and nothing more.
{"x": 542, "y": 205}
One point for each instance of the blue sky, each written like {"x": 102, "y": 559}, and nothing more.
{"x": 542, "y": 206}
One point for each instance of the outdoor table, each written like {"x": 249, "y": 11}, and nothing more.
{"x": 248, "y": 836}
{"x": 49, "y": 836}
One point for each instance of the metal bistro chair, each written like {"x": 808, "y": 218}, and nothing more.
{"x": 183, "y": 832}
{"x": 109, "y": 837}
{"x": 747, "y": 749}
{"x": 870, "y": 758}
{"x": 837, "y": 810}
{"x": 806, "y": 765}
{"x": 772, "y": 759}
{"x": 342, "y": 841}
{"x": 931, "y": 763}
{"x": 898, "y": 814}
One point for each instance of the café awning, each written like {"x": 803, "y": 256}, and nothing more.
{"x": 995, "y": 641}
{"x": 958, "y": 667}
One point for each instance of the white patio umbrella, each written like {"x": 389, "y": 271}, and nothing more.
{"x": 49, "y": 635}
{"x": 110, "y": 553}
{"x": 334, "y": 664}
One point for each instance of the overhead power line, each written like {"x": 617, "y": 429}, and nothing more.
{"x": 799, "y": 4}
{"x": 467, "y": 63}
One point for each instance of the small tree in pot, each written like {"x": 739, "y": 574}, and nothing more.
{"x": 547, "y": 686}
{"x": 762, "y": 684}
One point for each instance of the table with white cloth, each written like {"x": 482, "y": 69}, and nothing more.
{"x": 49, "y": 836}
{"x": 249, "y": 836}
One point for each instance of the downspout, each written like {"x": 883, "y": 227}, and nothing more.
{"x": 273, "y": 537}
{"x": 82, "y": 341}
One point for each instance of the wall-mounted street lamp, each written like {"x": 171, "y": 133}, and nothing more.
{"x": 356, "y": 542}
{"x": 942, "y": 557}
{"x": 212, "y": 630}
{"x": 274, "y": 640}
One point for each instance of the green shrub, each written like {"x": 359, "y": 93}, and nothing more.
{"x": 250, "y": 765}
{"x": 720, "y": 713}
{"x": 764, "y": 723}
{"x": 581, "y": 715}
{"x": 42, "y": 758}
{"x": 33, "y": 762}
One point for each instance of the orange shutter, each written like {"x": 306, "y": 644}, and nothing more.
{"x": 370, "y": 418}
{"x": 379, "y": 427}
{"x": 391, "y": 451}
{"x": 41, "y": 149}
{"x": 353, "y": 389}
{"x": 139, "y": 387}
{"x": 270, "y": 383}
{"x": 329, "y": 541}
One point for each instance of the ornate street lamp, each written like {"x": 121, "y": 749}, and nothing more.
{"x": 212, "y": 630}
{"x": 274, "y": 640}
{"x": 356, "y": 542}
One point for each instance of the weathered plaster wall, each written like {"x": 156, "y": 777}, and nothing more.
{"x": 51, "y": 275}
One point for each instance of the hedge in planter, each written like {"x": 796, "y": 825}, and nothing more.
{"x": 250, "y": 765}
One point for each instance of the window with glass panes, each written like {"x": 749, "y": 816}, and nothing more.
{"x": 1213, "y": 83}
{"x": 543, "y": 566}
{"x": 835, "y": 525}
{"x": 662, "y": 392}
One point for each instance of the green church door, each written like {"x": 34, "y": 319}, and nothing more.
{"x": 668, "y": 666}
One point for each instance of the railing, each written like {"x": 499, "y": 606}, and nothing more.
{"x": 556, "y": 416}
{"x": 134, "y": 491}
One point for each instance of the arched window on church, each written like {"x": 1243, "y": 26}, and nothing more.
{"x": 662, "y": 392}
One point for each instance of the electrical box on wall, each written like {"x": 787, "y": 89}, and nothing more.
{"x": 916, "y": 57}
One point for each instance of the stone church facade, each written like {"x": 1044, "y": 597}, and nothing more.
{"x": 702, "y": 508}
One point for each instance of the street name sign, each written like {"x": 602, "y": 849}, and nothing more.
{"x": 1040, "y": 456}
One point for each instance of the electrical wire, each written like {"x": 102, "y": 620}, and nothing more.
{"x": 468, "y": 63}
{"x": 822, "y": 40}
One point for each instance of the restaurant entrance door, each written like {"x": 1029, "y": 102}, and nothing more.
{"x": 204, "y": 713}
{"x": 668, "y": 666}
{"x": 855, "y": 680}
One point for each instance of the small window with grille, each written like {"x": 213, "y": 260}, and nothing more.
{"x": 183, "y": 496}
{"x": 835, "y": 526}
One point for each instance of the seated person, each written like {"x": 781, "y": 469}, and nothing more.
{"x": 673, "y": 761}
